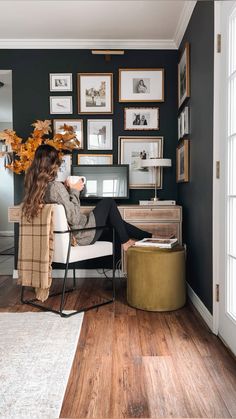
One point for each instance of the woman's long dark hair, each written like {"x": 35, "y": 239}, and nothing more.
{"x": 42, "y": 171}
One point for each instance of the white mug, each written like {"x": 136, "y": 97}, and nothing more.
{"x": 75, "y": 179}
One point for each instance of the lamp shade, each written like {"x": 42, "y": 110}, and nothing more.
{"x": 156, "y": 163}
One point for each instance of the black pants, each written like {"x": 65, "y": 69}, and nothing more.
{"x": 107, "y": 213}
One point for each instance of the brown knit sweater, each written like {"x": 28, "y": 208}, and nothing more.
{"x": 57, "y": 193}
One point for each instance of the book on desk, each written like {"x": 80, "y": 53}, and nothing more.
{"x": 159, "y": 202}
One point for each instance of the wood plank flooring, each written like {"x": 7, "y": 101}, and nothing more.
{"x": 136, "y": 364}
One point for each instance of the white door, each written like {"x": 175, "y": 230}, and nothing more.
{"x": 227, "y": 127}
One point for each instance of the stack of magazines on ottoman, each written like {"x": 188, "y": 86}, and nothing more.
{"x": 157, "y": 242}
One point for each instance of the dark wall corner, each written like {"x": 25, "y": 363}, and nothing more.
{"x": 196, "y": 195}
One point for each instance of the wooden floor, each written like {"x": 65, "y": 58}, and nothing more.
{"x": 135, "y": 364}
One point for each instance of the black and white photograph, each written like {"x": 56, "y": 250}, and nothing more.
{"x": 60, "y": 82}
{"x": 141, "y": 119}
{"x": 179, "y": 127}
{"x": 61, "y": 105}
{"x": 95, "y": 93}
{"x": 141, "y": 85}
{"x": 132, "y": 151}
{"x": 184, "y": 76}
{"x": 183, "y": 123}
{"x": 65, "y": 169}
{"x": 99, "y": 134}
{"x": 76, "y": 124}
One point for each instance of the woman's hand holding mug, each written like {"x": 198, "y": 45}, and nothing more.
{"x": 76, "y": 182}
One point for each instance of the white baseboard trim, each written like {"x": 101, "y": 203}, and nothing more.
{"x": 80, "y": 273}
{"x": 7, "y": 233}
{"x": 200, "y": 307}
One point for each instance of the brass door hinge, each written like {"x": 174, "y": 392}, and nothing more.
{"x": 218, "y": 169}
{"x": 217, "y": 293}
{"x": 218, "y": 43}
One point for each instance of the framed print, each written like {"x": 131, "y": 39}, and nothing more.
{"x": 77, "y": 125}
{"x": 60, "y": 82}
{"x": 60, "y": 104}
{"x": 182, "y": 161}
{"x": 184, "y": 76}
{"x": 185, "y": 122}
{"x": 65, "y": 169}
{"x": 141, "y": 119}
{"x": 132, "y": 150}
{"x": 141, "y": 85}
{"x": 99, "y": 134}
{"x": 95, "y": 93}
{"x": 179, "y": 127}
{"x": 95, "y": 158}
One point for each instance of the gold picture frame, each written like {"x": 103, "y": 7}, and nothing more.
{"x": 95, "y": 159}
{"x": 95, "y": 93}
{"x": 133, "y": 149}
{"x": 184, "y": 75}
{"x": 182, "y": 161}
{"x": 141, "y": 85}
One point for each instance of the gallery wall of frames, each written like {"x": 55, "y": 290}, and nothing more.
{"x": 125, "y": 105}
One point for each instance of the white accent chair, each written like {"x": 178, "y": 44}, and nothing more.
{"x": 66, "y": 254}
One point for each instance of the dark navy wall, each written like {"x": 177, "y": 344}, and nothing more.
{"x": 196, "y": 196}
{"x": 31, "y": 70}
{"x": 31, "y": 93}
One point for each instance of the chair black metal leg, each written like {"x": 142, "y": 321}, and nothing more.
{"x": 64, "y": 291}
{"x": 74, "y": 279}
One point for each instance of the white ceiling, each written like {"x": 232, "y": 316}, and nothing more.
{"x": 93, "y": 23}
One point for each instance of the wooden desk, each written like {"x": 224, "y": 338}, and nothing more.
{"x": 160, "y": 220}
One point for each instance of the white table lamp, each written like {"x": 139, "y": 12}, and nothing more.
{"x": 154, "y": 163}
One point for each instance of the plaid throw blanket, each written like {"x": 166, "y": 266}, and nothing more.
{"x": 36, "y": 251}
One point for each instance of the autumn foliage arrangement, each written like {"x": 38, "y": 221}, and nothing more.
{"x": 24, "y": 150}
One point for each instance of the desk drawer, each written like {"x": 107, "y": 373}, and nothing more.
{"x": 152, "y": 214}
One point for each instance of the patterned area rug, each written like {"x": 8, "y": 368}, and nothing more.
{"x": 36, "y": 355}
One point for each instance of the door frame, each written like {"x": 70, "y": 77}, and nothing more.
{"x": 216, "y": 182}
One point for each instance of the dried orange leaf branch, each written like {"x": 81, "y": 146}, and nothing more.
{"x": 24, "y": 150}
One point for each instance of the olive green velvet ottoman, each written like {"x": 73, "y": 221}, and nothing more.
{"x": 156, "y": 278}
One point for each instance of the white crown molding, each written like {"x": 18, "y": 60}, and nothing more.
{"x": 87, "y": 44}
{"x": 183, "y": 21}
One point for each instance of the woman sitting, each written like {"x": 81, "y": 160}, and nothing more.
{"x": 42, "y": 188}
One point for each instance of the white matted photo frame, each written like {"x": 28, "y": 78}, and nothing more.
{"x": 182, "y": 161}
{"x": 77, "y": 125}
{"x": 141, "y": 119}
{"x": 141, "y": 85}
{"x": 95, "y": 159}
{"x": 183, "y": 123}
{"x": 65, "y": 169}
{"x": 132, "y": 150}
{"x": 184, "y": 76}
{"x": 95, "y": 93}
{"x": 60, "y": 82}
{"x": 99, "y": 134}
{"x": 61, "y": 105}
{"x": 179, "y": 127}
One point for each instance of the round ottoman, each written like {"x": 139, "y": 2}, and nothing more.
{"x": 156, "y": 278}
